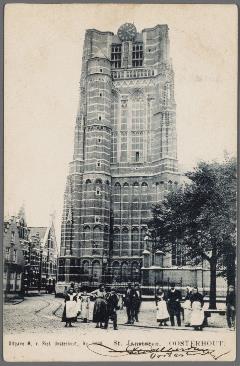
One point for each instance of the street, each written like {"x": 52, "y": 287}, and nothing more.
{"x": 33, "y": 331}
{"x": 42, "y": 314}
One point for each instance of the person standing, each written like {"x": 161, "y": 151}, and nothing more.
{"x": 162, "y": 311}
{"x": 112, "y": 307}
{"x": 231, "y": 307}
{"x": 187, "y": 307}
{"x": 100, "y": 306}
{"x": 197, "y": 314}
{"x": 84, "y": 306}
{"x": 129, "y": 303}
{"x": 137, "y": 300}
{"x": 174, "y": 304}
{"x": 69, "y": 312}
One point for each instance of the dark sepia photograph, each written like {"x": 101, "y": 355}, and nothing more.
{"x": 120, "y": 176}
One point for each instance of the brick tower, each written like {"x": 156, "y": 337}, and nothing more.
{"x": 125, "y": 153}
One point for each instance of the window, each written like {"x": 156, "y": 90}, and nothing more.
{"x": 137, "y": 55}
{"x": 7, "y": 254}
{"x": 100, "y": 70}
{"x": 98, "y": 163}
{"x": 14, "y": 255}
{"x": 99, "y": 118}
{"x": 137, "y": 156}
{"x": 13, "y": 236}
{"x": 97, "y": 219}
{"x": 116, "y": 55}
{"x": 178, "y": 255}
{"x": 99, "y": 140}
{"x": 98, "y": 192}
{"x": 100, "y": 94}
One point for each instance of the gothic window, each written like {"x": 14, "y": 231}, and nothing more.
{"x": 135, "y": 240}
{"x": 96, "y": 271}
{"x": 7, "y": 254}
{"x": 85, "y": 270}
{"x": 137, "y": 55}
{"x": 116, "y": 55}
{"x": 97, "y": 237}
{"x": 135, "y": 271}
{"x": 124, "y": 272}
{"x": 125, "y": 241}
{"x": 114, "y": 119}
{"x": 87, "y": 239}
{"x": 116, "y": 242}
{"x": 143, "y": 235}
{"x": 116, "y": 271}
{"x": 178, "y": 255}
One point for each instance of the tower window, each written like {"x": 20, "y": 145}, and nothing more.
{"x": 137, "y": 55}
{"x": 137, "y": 156}
{"x": 98, "y": 163}
{"x": 116, "y": 55}
{"x": 100, "y": 70}
{"x": 100, "y": 94}
{"x": 99, "y": 118}
{"x": 98, "y": 192}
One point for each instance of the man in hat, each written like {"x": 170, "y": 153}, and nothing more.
{"x": 112, "y": 307}
{"x": 129, "y": 302}
{"x": 137, "y": 299}
{"x": 174, "y": 304}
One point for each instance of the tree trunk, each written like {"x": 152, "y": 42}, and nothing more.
{"x": 213, "y": 277}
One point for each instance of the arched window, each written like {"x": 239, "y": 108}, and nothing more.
{"x": 117, "y": 200}
{"x": 125, "y": 241}
{"x": 135, "y": 241}
{"x": 143, "y": 234}
{"x": 96, "y": 271}
{"x": 85, "y": 270}
{"x": 86, "y": 240}
{"x": 125, "y": 272}
{"x": 97, "y": 239}
{"x": 116, "y": 271}
{"x": 114, "y": 119}
{"x": 138, "y": 122}
{"x": 98, "y": 181}
{"x": 135, "y": 271}
{"x": 116, "y": 242}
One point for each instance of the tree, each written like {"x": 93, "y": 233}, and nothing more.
{"x": 202, "y": 215}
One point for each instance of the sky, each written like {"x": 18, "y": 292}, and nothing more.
{"x": 42, "y": 64}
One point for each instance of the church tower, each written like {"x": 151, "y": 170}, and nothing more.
{"x": 125, "y": 153}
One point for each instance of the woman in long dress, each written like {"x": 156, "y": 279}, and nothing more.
{"x": 85, "y": 301}
{"x": 197, "y": 314}
{"x": 69, "y": 312}
{"x": 100, "y": 306}
{"x": 162, "y": 311}
{"x": 187, "y": 308}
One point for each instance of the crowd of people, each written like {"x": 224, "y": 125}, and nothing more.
{"x": 169, "y": 306}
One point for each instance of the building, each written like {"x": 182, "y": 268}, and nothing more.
{"x": 42, "y": 254}
{"x": 30, "y": 255}
{"x": 15, "y": 236}
{"x": 125, "y": 153}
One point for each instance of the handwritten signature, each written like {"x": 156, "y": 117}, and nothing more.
{"x": 154, "y": 353}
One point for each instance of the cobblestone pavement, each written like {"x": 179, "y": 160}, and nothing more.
{"x": 42, "y": 314}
